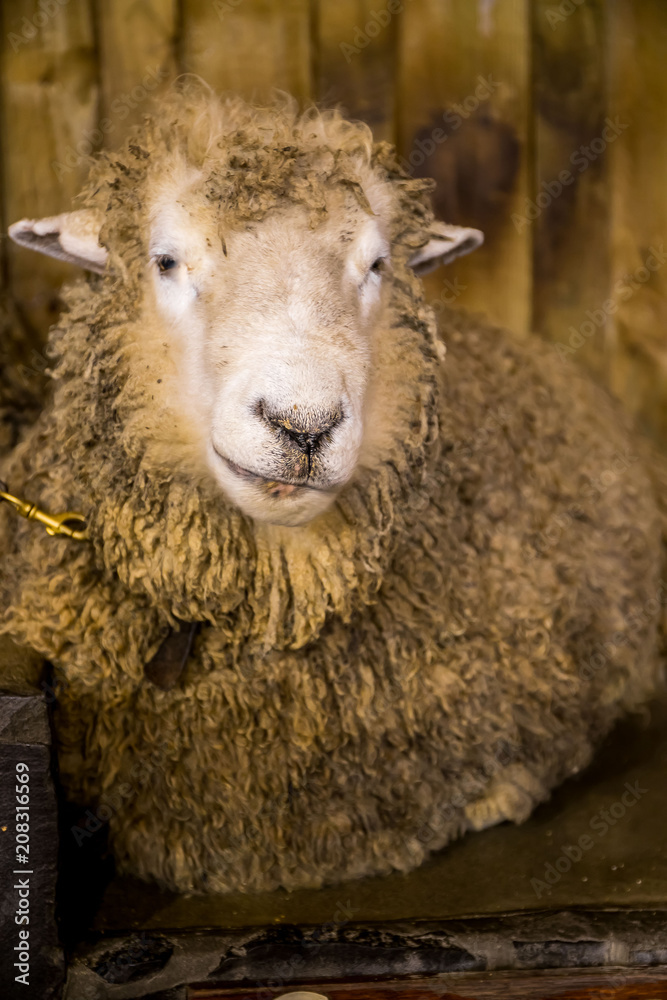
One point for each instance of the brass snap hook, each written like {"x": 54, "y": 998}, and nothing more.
{"x": 70, "y": 524}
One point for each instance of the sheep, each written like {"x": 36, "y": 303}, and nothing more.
{"x": 424, "y": 566}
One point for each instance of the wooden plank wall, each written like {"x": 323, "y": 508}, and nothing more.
{"x": 543, "y": 122}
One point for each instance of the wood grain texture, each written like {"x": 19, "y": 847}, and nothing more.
{"x": 638, "y": 165}
{"x": 464, "y": 117}
{"x": 454, "y": 954}
{"x": 355, "y": 51}
{"x": 575, "y": 984}
{"x": 569, "y": 210}
{"x": 248, "y": 46}
{"x": 25, "y": 748}
{"x": 48, "y": 81}
{"x": 138, "y": 42}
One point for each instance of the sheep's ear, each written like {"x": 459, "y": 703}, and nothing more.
{"x": 71, "y": 236}
{"x": 445, "y": 244}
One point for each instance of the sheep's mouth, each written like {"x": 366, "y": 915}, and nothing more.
{"x": 273, "y": 486}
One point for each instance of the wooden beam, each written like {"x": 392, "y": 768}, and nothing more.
{"x": 138, "y": 59}
{"x": 48, "y": 93}
{"x": 571, "y": 984}
{"x": 464, "y": 119}
{"x": 355, "y": 48}
{"x": 29, "y": 946}
{"x": 638, "y": 168}
{"x": 248, "y": 46}
{"x": 569, "y": 208}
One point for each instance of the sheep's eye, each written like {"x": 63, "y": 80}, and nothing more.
{"x": 376, "y": 266}
{"x": 165, "y": 263}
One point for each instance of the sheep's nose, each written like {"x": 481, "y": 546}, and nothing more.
{"x": 306, "y": 428}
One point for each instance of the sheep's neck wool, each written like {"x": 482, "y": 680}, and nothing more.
{"x": 183, "y": 549}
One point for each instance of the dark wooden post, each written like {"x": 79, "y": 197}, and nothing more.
{"x": 31, "y": 960}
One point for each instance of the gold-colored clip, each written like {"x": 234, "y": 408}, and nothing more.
{"x": 70, "y": 524}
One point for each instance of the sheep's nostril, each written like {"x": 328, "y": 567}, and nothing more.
{"x": 306, "y": 442}
{"x": 305, "y": 427}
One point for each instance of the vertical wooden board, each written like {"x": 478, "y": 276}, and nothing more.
{"x": 49, "y": 95}
{"x": 28, "y": 852}
{"x": 248, "y": 46}
{"x": 138, "y": 59}
{"x": 464, "y": 119}
{"x": 638, "y": 44}
{"x": 355, "y": 49}
{"x": 569, "y": 207}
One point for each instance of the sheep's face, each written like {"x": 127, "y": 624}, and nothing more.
{"x": 262, "y": 353}
{"x": 273, "y": 323}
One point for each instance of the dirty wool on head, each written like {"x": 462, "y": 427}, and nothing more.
{"x": 431, "y": 655}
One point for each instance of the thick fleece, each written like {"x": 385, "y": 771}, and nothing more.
{"x": 433, "y": 654}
